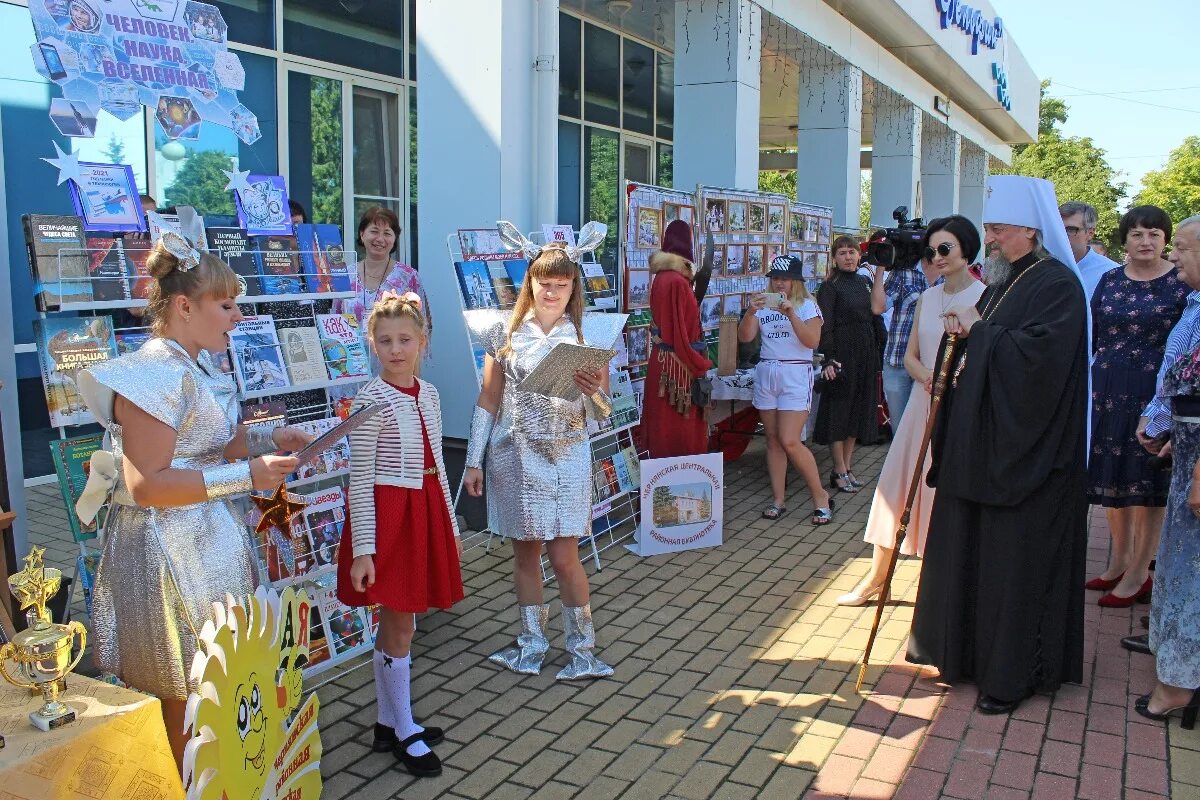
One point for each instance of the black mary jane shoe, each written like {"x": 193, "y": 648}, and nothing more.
{"x": 424, "y": 766}
{"x": 385, "y": 737}
{"x": 1137, "y": 644}
{"x": 986, "y": 704}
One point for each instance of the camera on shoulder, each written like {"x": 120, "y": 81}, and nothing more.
{"x": 901, "y": 245}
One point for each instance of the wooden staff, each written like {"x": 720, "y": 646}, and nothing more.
{"x": 935, "y": 400}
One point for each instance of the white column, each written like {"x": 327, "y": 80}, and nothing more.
{"x": 829, "y": 139}
{"x": 483, "y": 124}
{"x": 940, "y": 162}
{"x": 972, "y": 182}
{"x": 717, "y": 64}
{"x": 895, "y": 158}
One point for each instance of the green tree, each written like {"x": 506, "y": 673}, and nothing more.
{"x": 114, "y": 151}
{"x": 325, "y": 101}
{"x": 778, "y": 182}
{"x": 1176, "y": 187}
{"x": 665, "y": 512}
{"x": 1074, "y": 164}
{"x": 864, "y": 201}
{"x": 200, "y": 183}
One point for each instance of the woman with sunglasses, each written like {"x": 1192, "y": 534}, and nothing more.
{"x": 951, "y": 245}
{"x": 1134, "y": 309}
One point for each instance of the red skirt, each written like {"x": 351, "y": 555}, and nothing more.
{"x": 416, "y": 559}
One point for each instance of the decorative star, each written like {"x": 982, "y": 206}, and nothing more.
{"x": 67, "y": 163}
{"x": 35, "y": 560}
{"x": 278, "y": 510}
{"x": 238, "y": 180}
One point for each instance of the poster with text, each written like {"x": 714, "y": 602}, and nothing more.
{"x": 682, "y": 503}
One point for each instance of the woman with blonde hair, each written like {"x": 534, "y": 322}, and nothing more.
{"x": 790, "y": 323}
{"x": 538, "y": 470}
{"x": 175, "y": 544}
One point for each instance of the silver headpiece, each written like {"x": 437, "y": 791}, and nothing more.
{"x": 590, "y": 237}
{"x": 175, "y": 242}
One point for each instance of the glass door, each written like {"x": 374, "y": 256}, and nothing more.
{"x": 316, "y": 114}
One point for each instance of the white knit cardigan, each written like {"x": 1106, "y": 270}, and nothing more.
{"x": 387, "y": 450}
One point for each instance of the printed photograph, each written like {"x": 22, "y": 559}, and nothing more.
{"x": 775, "y": 217}
{"x": 822, "y": 264}
{"x": 735, "y": 260}
{"x": 824, "y": 226}
{"x": 637, "y": 288}
{"x": 682, "y": 504}
{"x": 810, "y": 265}
{"x": 754, "y": 259}
{"x": 710, "y": 313}
{"x": 718, "y": 261}
{"x": 670, "y": 213}
{"x": 758, "y": 218}
{"x": 714, "y": 215}
{"x": 773, "y": 252}
{"x": 649, "y": 228}
{"x": 732, "y": 305}
{"x": 811, "y": 229}
{"x": 796, "y": 228}
{"x": 737, "y": 217}
{"x": 638, "y": 345}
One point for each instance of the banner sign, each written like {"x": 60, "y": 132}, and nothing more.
{"x": 682, "y": 504}
{"x": 119, "y": 55}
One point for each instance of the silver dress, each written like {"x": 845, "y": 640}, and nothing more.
{"x": 163, "y": 568}
{"x": 539, "y": 460}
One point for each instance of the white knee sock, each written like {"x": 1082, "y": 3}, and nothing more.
{"x": 394, "y": 683}
{"x": 383, "y": 701}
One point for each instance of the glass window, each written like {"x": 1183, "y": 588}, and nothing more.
{"x": 412, "y": 176}
{"x": 376, "y": 143}
{"x": 249, "y": 21}
{"x": 366, "y": 34}
{"x": 601, "y": 76}
{"x": 666, "y": 166}
{"x": 568, "y": 67}
{"x": 315, "y": 145}
{"x": 602, "y": 188}
{"x": 189, "y": 172}
{"x": 116, "y": 142}
{"x": 568, "y": 173}
{"x": 638, "y": 88}
{"x": 412, "y": 39}
{"x": 665, "y": 113}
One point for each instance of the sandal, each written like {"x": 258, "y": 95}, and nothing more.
{"x": 824, "y": 516}
{"x": 855, "y": 482}
{"x": 836, "y": 480}
{"x": 774, "y": 511}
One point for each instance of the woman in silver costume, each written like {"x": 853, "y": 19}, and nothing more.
{"x": 539, "y": 474}
{"x": 175, "y": 544}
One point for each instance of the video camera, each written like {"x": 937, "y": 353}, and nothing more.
{"x": 901, "y": 247}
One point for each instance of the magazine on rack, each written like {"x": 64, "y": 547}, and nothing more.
{"x": 257, "y": 359}
{"x": 342, "y": 346}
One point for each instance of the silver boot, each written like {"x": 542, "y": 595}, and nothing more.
{"x": 581, "y": 639}
{"x": 530, "y": 652}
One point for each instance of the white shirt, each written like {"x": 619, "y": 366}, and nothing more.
{"x": 1091, "y": 267}
{"x": 779, "y": 340}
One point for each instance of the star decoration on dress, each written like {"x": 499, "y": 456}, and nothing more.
{"x": 238, "y": 180}
{"x": 67, "y": 163}
{"x": 278, "y": 510}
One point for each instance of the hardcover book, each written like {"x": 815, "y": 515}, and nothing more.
{"x": 279, "y": 265}
{"x": 234, "y": 247}
{"x": 322, "y": 258}
{"x": 302, "y": 352}
{"x": 137, "y": 254}
{"x": 342, "y": 346}
{"x": 57, "y": 258}
{"x": 66, "y": 347}
{"x": 106, "y": 268}
{"x": 257, "y": 360}
{"x": 329, "y": 242}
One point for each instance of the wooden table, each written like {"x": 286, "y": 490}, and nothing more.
{"x": 116, "y": 749}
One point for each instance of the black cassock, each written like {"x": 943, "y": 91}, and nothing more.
{"x": 1000, "y": 600}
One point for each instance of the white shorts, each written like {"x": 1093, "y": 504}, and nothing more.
{"x": 782, "y": 387}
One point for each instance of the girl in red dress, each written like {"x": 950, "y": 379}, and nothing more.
{"x": 400, "y": 549}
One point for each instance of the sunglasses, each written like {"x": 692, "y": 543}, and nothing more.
{"x": 944, "y": 249}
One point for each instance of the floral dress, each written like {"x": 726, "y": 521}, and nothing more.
{"x": 401, "y": 279}
{"x": 1131, "y": 321}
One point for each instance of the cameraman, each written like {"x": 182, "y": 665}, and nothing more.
{"x": 899, "y": 292}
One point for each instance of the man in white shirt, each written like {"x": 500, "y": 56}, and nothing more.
{"x": 1080, "y": 221}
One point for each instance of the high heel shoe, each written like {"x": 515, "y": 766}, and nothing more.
{"x": 1103, "y": 584}
{"x": 856, "y": 598}
{"x": 1111, "y": 600}
{"x": 1190, "y": 710}
{"x": 836, "y": 479}
{"x": 855, "y": 482}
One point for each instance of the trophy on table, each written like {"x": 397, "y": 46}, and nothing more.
{"x": 41, "y": 653}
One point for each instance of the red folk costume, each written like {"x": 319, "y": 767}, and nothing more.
{"x": 671, "y": 425}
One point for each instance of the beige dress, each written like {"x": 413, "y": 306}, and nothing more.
{"x": 892, "y": 488}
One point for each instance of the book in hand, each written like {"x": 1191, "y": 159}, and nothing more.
{"x": 279, "y": 262}
{"x": 342, "y": 346}
{"x": 323, "y": 464}
{"x": 66, "y": 347}
{"x": 257, "y": 360}
{"x": 56, "y": 244}
{"x": 106, "y": 269}
{"x": 234, "y": 247}
{"x": 302, "y": 352}
{"x": 554, "y": 376}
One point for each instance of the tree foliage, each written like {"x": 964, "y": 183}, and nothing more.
{"x": 1176, "y": 187}
{"x": 114, "y": 151}
{"x": 325, "y": 99}
{"x": 200, "y": 183}
{"x": 778, "y": 182}
{"x": 1074, "y": 164}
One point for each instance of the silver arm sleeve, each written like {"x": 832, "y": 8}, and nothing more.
{"x": 599, "y": 404}
{"x": 259, "y": 441}
{"x": 227, "y": 480}
{"x": 481, "y": 431}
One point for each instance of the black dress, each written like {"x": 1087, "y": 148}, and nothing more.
{"x": 1131, "y": 321}
{"x": 849, "y": 405}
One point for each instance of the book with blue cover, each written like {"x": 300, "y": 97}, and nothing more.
{"x": 342, "y": 346}
{"x": 279, "y": 265}
{"x": 66, "y": 347}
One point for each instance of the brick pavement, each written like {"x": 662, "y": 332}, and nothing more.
{"x": 735, "y": 679}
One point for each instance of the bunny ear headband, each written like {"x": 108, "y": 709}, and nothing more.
{"x": 174, "y": 241}
{"x": 590, "y": 237}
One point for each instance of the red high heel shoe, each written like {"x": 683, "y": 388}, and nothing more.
{"x": 1103, "y": 584}
{"x": 1111, "y": 600}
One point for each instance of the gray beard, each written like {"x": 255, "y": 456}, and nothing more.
{"x": 996, "y": 269}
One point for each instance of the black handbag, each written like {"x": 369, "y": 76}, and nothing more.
{"x": 702, "y": 392}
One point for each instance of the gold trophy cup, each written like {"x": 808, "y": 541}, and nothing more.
{"x": 41, "y": 653}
